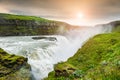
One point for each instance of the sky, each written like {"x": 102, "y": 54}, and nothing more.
{"x": 76, "y": 12}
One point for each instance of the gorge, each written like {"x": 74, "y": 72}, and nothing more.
{"x": 16, "y": 38}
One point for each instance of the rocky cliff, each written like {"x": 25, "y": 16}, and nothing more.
{"x": 17, "y": 25}
{"x": 13, "y": 67}
{"x": 116, "y": 26}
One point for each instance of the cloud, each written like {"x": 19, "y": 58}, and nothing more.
{"x": 64, "y": 9}
{"x": 3, "y": 10}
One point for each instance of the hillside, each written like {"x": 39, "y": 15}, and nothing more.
{"x": 98, "y": 59}
{"x": 19, "y": 25}
{"x": 13, "y": 67}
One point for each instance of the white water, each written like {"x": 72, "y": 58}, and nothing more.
{"x": 43, "y": 54}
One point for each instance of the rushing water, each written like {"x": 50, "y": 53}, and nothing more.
{"x": 42, "y": 54}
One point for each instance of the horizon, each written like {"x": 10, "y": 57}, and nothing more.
{"x": 63, "y": 21}
{"x": 74, "y": 12}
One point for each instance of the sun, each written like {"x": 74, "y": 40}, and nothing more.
{"x": 79, "y": 15}
{"x": 78, "y": 19}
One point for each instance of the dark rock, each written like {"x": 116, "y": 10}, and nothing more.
{"x": 47, "y": 38}
{"x": 59, "y": 73}
{"x": 64, "y": 72}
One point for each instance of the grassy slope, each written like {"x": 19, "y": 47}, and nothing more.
{"x": 21, "y": 17}
{"x": 98, "y": 59}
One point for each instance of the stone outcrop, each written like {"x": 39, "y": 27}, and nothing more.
{"x": 13, "y": 67}
{"x": 46, "y": 38}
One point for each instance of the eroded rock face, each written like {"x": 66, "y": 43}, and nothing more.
{"x": 13, "y": 67}
{"x": 13, "y": 25}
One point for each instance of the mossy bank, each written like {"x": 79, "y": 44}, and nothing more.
{"x": 98, "y": 59}
{"x": 13, "y": 67}
{"x": 19, "y": 25}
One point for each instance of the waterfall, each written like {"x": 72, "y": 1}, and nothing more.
{"x": 42, "y": 54}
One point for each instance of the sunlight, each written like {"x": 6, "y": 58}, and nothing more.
{"x": 79, "y": 15}
{"x": 78, "y": 19}
{"x": 3, "y": 10}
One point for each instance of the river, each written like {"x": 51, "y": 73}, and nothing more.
{"x": 42, "y": 54}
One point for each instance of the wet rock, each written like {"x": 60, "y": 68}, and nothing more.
{"x": 46, "y": 38}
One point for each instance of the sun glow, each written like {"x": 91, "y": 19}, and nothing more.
{"x": 78, "y": 19}
{"x": 79, "y": 15}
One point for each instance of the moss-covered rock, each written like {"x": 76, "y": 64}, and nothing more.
{"x": 13, "y": 67}
{"x": 64, "y": 69}
{"x": 116, "y": 25}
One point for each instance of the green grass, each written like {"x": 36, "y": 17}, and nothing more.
{"x": 23, "y": 17}
{"x": 98, "y": 59}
